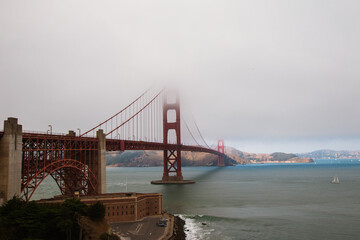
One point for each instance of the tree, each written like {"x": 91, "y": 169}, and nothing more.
{"x": 96, "y": 211}
{"x": 30, "y": 220}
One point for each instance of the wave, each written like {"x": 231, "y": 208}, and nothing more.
{"x": 195, "y": 230}
{"x": 208, "y": 227}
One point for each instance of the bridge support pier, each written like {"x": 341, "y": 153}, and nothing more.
{"x": 10, "y": 160}
{"x": 101, "y": 187}
{"x": 95, "y": 161}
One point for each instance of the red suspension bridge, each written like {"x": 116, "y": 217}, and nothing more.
{"x": 150, "y": 122}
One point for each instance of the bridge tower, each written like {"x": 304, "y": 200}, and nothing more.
{"x": 220, "y": 148}
{"x": 172, "y": 158}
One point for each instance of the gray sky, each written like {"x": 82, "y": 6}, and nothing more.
{"x": 264, "y": 75}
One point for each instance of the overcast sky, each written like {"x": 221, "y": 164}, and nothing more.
{"x": 263, "y": 75}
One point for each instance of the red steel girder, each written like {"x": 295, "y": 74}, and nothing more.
{"x": 123, "y": 145}
{"x": 31, "y": 184}
{"x": 49, "y": 154}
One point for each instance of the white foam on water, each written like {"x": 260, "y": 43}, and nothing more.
{"x": 120, "y": 184}
{"x": 194, "y": 230}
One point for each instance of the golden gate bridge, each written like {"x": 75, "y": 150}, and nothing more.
{"x": 78, "y": 162}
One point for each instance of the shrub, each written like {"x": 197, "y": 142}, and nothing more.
{"x": 96, "y": 211}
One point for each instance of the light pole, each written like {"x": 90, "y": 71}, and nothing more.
{"x": 79, "y": 131}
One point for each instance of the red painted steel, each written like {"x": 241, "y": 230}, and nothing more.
{"x": 172, "y": 157}
{"x": 134, "y": 115}
{"x": 107, "y": 120}
{"x": 65, "y": 158}
{"x": 73, "y": 161}
{"x": 220, "y": 148}
{"x": 45, "y": 155}
{"x": 123, "y": 145}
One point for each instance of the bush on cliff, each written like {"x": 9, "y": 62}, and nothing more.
{"x": 30, "y": 220}
{"x": 96, "y": 211}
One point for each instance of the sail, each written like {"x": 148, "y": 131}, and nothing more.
{"x": 335, "y": 180}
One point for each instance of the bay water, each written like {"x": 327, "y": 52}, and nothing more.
{"x": 258, "y": 201}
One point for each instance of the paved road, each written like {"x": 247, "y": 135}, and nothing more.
{"x": 145, "y": 229}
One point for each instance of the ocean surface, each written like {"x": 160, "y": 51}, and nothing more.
{"x": 264, "y": 201}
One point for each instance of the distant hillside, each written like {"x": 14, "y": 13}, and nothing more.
{"x": 134, "y": 158}
{"x": 155, "y": 158}
{"x": 329, "y": 154}
{"x": 277, "y": 157}
{"x": 234, "y": 156}
{"x": 282, "y": 156}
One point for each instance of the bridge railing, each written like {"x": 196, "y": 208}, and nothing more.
{"x": 42, "y": 133}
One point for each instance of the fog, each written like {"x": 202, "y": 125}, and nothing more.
{"x": 263, "y": 75}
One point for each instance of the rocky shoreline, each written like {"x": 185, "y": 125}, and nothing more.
{"x": 179, "y": 232}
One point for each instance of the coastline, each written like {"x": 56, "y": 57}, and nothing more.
{"x": 179, "y": 231}
{"x": 147, "y": 228}
{"x": 275, "y": 162}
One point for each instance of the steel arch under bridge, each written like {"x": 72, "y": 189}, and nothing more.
{"x": 71, "y": 161}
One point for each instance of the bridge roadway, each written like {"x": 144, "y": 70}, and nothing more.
{"x": 42, "y": 154}
{"x": 118, "y": 145}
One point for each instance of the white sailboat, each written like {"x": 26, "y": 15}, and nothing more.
{"x": 335, "y": 180}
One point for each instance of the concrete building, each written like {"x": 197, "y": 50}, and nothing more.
{"x": 122, "y": 207}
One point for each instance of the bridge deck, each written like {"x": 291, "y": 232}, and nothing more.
{"x": 121, "y": 145}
